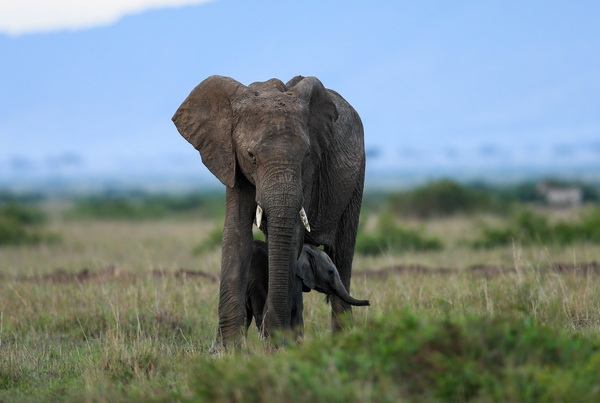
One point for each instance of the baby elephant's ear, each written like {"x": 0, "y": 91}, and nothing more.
{"x": 305, "y": 272}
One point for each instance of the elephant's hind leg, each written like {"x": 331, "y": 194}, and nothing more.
{"x": 342, "y": 256}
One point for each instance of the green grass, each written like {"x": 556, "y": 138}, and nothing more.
{"x": 115, "y": 330}
{"x": 407, "y": 357}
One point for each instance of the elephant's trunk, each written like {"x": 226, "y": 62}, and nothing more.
{"x": 283, "y": 227}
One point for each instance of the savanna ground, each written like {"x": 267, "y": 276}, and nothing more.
{"x": 483, "y": 304}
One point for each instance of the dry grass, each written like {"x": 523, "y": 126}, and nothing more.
{"x": 122, "y": 331}
{"x": 132, "y": 246}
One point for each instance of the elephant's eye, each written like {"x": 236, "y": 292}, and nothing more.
{"x": 251, "y": 155}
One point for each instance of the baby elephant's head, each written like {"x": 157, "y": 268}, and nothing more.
{"x": 318, "y": 272}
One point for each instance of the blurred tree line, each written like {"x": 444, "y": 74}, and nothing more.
{"x": 144, "y": 206}
{"x": 447, "y": 197}
{"x": 444, "y": 198}
{"x": 23, "y": 219}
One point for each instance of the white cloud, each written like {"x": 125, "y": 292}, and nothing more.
{"x": 19, "y": 17}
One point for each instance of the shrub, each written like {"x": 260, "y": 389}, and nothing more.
{"x": 527, "y": 227}
{"x": 23, "y": 215}
{"x": 215, "y": 237}
{"x": 141, "y": 206}
{"x": 12, "y": 233}
{"x": 390, "y": 237}
{"x": 213, "y": 240}
{"x": 22, "y": 225}
{"x": 441, "y": 198}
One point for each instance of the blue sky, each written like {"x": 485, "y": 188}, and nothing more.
{"x": 445, "y": 85}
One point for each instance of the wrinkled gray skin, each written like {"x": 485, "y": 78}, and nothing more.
{"x": 314, "y": 270}
{"x": 283, "y": 147}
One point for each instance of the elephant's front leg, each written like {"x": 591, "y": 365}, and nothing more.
{"x": 235, "y": 264}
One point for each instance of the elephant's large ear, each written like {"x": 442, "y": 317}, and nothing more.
{"x": 321, "y": 109}
{"x": 205, "y": 120}
{"x": 305, "y": 271}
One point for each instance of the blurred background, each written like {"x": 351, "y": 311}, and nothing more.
{"x": 497, "y": 91}
{"x": 467, "y": 106}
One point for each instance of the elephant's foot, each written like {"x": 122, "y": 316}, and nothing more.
{"x": 217, "y": 349}
{"x": 299, "y": 337}
{"x": 235, "y": 340}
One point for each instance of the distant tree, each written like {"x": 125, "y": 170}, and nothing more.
{"x": 440, "y": 198}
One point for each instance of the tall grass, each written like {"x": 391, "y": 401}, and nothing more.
{"x": 132, "y": 330}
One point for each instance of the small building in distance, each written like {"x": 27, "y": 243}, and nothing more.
{"x": 560, "y": 196}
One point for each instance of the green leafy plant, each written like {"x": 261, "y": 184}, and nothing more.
{"x": 215, "y": 237}
{"x": 441, "y": 198}
{"x": 141, "y": 206}
{"x": 527, "y": 227}
{"x": 387, "y": 236}
{"x": 22, "y": 225}
{"x": 213, "y": 240}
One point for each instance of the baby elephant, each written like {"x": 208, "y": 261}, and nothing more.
{"x": 314, "y": 270}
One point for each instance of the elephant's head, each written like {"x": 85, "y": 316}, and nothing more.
{"x": 317, "y": 272}
{"x": 259, "y": 129}
{"x": 272, "y": 135}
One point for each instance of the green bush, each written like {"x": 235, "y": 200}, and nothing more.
{"x": 22, "y": 225}
{"x": 441, "y": 198}
{"x": 215, "y": 237}
{"x": 141, "y": 206}
{"x": 590, "y": 225}
{"x": 13, "y": 233}
{"x": 399, "y": 357}
{"x": 23, "y": 215}
{"x": 213, "y": 240}
{"x": 388, "y": 237}
{"x": 527, "y": 227}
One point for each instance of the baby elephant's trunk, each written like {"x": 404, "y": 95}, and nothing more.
{"x": 341, "y": 292}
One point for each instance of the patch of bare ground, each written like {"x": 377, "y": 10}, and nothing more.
{"x": 112, "y": 273}
{"x": 185, "y": 274}
{"x": 109, "y": 273}
{"x": 581, "y": 268}
{"x": 480, "y": 269}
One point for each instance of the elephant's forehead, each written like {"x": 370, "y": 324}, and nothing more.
{"x": 270, "y": 103}
{"x": 269, "y": 128}
{"x": 265, "y": 130}
{"x": 273, "y": 114}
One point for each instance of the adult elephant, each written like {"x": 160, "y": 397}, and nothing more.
{"x": 289, "y": 154}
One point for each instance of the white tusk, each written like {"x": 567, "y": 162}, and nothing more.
{"x": 258, "y": 217}
{"x": 304, "y": 219}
